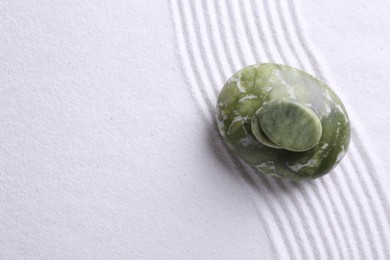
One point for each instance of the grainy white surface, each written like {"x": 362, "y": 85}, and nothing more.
{"x": 108, "y": 145}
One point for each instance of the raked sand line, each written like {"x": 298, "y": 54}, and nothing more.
{"x": 192, "y": 78}
{"x": 208, "y": 49}
{"x": 310, "y": 237}
{"x": 269, "y": 12}
{"x": 376, "y": 194}
{"x": 275, "y": 217}
{"x": 323, "y": 231}
{"x": 295, "y": 213}
{"x": 357, "y": 201}
{"x": 350, "y": 182}
{"x": 300, "y": 218}
{"x": 339, "y": 225}
{"x": 282, "y": 202}
{"x": 181, "y": 42}
{"x": 383, "y": 240}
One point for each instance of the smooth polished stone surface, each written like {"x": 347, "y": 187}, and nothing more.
{"x": 311, "y": 100}
{"x": 290, "y": 125}
{"x": 258, "y": 132}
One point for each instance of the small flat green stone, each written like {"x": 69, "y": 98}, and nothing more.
{"x": 290, "y": 125}
{"x": 258, "y": 132}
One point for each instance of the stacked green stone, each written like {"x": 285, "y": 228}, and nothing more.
{"x": 283, "y": 121}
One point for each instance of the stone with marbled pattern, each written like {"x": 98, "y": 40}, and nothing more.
{"x": 283, "y": 121}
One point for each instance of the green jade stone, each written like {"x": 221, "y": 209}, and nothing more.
{"x": 283, "y": 121}
{"x": 290, "y": 125}
{"x": 258, "y": 132}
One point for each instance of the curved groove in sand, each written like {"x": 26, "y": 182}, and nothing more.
{"x": 271, "y": 208}
{"x": 381, "y": 211}
{"x": 356, "y": 199}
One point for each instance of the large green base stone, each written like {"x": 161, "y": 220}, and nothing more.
{"x": 283, "y": 121}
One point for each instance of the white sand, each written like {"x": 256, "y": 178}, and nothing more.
{"x": 108, "y": 144}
